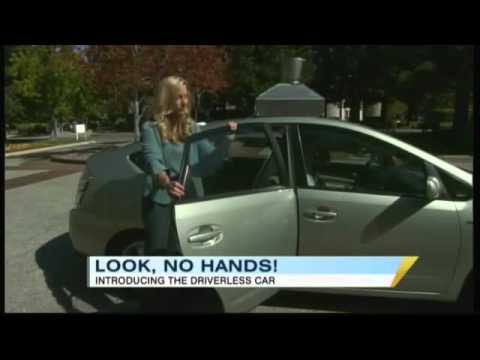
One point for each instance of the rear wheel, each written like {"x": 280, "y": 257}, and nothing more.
{"x": 135, "y": 248}
{"x": 128, "y": 243}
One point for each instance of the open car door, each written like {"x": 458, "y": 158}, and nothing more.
{"x": 239, "y": 202}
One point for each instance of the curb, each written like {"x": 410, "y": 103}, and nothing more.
{"x": 61, "y": 159}
{"x": 456, "y": 156}
{"x": 34, "y": 151}
{"x": 82, "y": 159}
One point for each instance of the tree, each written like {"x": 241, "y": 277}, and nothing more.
{"x": 45, "y": 83}
{"x": 414, "y": 87}
{"x": 455, "y": 72}
{"x": 360, "y": 73}
{"x": 254, "y": 68}
{"x": 125, "y": 73}
{"x": 204, "y": 67}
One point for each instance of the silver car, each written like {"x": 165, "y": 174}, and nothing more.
{"x": 296, "y": 186}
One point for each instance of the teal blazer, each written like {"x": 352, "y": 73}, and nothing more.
{"x": 161, "y": 155}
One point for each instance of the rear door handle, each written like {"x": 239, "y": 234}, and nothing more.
{"x": 320, "y": 215}
{"x": 204, "y": 237}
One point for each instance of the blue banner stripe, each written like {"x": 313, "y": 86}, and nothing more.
{"x": 269, "y": 265}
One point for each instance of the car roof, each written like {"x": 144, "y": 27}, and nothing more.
{"x": 296, "y": 120}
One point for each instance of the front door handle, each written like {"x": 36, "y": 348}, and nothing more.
{"x": 320, "y": 215}
{"x": 205, "y": 234}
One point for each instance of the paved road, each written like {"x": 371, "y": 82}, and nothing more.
{"x": 43, "y": 275}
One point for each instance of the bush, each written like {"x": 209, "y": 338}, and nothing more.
{"x": 374, "y": 122}
{"x": 93, "y": 125}
{"x": 30, "y": 129}
{"x": 121, "y": 124}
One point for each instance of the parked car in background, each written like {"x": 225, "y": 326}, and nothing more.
{"x": 296, "y": 186}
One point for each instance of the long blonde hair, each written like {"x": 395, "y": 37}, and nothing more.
{"x": 162, "y": 107}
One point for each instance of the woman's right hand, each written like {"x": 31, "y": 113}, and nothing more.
{"x": 175, "y": 189}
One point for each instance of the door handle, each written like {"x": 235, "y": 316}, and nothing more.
{"x": 204, "y": 237}
{"x": 320, "y": 215}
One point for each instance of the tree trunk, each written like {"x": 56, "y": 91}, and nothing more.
{"x": 383, "y": 112}
{"x": 462, "y": 98}
{"x": 355, "y": 112}
{"x": 136, "y": 118}
{"x": 54, "y": 127}
{"x": 411, "y": 112}
{"x": 198, "y": 99}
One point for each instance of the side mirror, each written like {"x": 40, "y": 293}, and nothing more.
{"x": 434, "y": 188}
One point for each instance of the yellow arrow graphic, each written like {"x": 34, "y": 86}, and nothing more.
{"x": 403, "y": 268}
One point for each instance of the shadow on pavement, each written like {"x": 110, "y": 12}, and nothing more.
{"x": 363, "y": 304}
{"x": 66, "y": 277}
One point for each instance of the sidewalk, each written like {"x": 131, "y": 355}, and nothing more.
{"x": 80, "y": 156}
{"x": 75, "y": 153}
{"x": 13, "y": 137}
{"x": 48, "y": 148}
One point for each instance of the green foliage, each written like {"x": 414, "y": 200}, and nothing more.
{"x": 396, "y": 110}
{"x": 30, "y": 129}
{"x": 121, "y": 124}
{"x": 43, "y": 82}
{"x": 14, "y": 109}
{"x": 46, "y": 82}
{"x": 255, "y": 68}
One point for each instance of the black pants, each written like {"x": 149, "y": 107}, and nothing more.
{"x": 156, "y": 221}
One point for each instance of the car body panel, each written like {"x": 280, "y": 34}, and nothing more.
{"x": 378, "y": 225}
{"x": 464, "y": 266}
{"x": 112, "y": 202}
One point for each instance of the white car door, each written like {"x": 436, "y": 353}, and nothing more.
{"x": 239, "y": 203}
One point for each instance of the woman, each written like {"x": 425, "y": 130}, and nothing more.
{"x": 163, "y": 142}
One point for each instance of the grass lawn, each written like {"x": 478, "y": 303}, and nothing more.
{"x": 9, "y": 148}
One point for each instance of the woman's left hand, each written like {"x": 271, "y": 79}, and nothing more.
{"x": 232, "y": 125}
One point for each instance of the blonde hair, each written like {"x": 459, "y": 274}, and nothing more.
{"x": 162, "y": 107}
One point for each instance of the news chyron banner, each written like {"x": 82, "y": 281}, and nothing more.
{"x": 248, "y": 272}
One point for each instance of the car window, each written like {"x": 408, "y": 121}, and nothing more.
{"x": 138, "y": 159}
{"x": 457, "y": 190}
{"x": 220, "y": 166}
{"x": 343, "y": 160}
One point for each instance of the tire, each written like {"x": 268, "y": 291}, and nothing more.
{"x": 128, "y": 243}
{"x": 465, "y": 300}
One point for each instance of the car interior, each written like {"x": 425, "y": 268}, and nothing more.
{"x": 360, "y": 168}
{"x": 250, "y": 165}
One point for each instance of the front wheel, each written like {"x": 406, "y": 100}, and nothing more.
{"x": 465, "y": 300}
